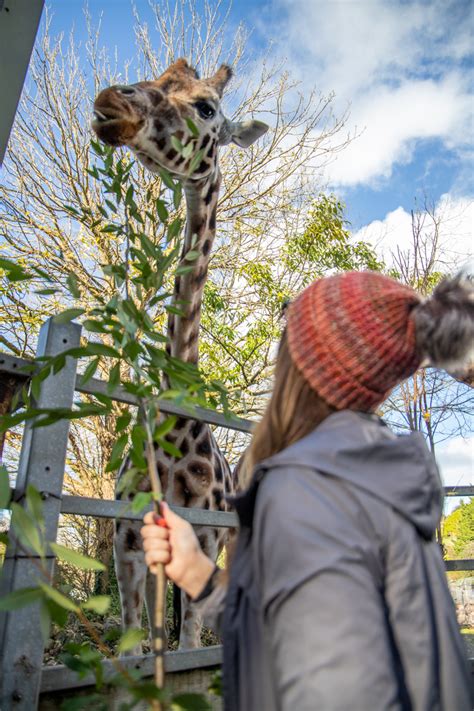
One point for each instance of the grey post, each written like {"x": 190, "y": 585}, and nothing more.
{"x": 42, "y": 460}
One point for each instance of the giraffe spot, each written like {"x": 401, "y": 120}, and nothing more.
{"x": 117, "y": 526}
{"x": 191, "y": 339}
{"x": 131, "y": 541}
{"x": 207, "y": 504}
{"x": 197, "y": 429}
{"x": 180, "y": 423}
{"x": 200, "y": 277}
{"x": 171, "y": 438}
{"x": 210, "y": 152}
{"x": 218, "y": 496}
{"x": 179, "y": 135}
{"x": 218, "y": 470}
{"x": 206, "y": 247}
{"x": 202, "y": 540}
{"x": 158, "y": 126}
{"x": 204, "y": 165}
{"x": 171, "y": 155}
{"x": 160, "y": 143}
{"x": 156, "y": 98}
{"x": 212, "y": 219}
{"x": 136, "y": 598}
{"x": 188, "y": 614}
{"x": 182, "y": 494}
{"x": 184, "y": 447}
{"x": 203, "y": 447}
{"x": 197, "y": 226}
{"x": 209, "y": 194}
{"x": 205, "y": 141}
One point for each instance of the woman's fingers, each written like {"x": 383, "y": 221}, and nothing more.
{"x": 156, "y": 543}
{"x": 157, "y": 555}
{"x": 155, "y": 532}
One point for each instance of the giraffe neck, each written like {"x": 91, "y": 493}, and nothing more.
{"x": 201, "y": 204}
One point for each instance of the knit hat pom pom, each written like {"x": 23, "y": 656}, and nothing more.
{"x": 445, "y": 324}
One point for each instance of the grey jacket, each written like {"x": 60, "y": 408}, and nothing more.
{"x": 337, "y": 599}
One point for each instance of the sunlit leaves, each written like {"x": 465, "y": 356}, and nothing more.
{"x": 77, "y": 559}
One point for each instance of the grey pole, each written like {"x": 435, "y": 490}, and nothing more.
{"x": 42, "y": 461}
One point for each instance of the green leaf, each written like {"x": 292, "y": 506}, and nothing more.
{"x": 141, "y": 500}
{"x": 177, "y": 145}
{"x": 20, "y": 598}
{"x": 99, "y": 604}
{"x": 90, "y": 371}
{"x": 5, "y": 492}
{"x": 195, "y": 161}
{"x": 72, "y": 285}
{"x": 34, "y": 503}
{"x": 75, "y": 558}
{"x": 161, "y": 210}
{"x": 177, "y": 195}
{"x": 94, "y": 326}
{"x": 192, "y": 255}
{"x": 4, "y": 540}
{"x": 169, "y": 447}
{"x": 114, "y": 377}
{"x": 46, "y": 292}
{"x": 58, "y": 614}
{"x": 166, "y": 178}
{"x": 123, "y": 421}
{"x": 192, "y": 127}
{"x": 68, "y": 315}
{"x": 117, "y": 453}
{"x": 26, "y": 529}
{"x": 130, "y": 639}
{"x": 59, "y": 598}
{"x": 190, "y": 702}
{"x": 165, "y": 427}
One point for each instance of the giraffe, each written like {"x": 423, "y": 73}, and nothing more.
{"x": 144, "y": 117}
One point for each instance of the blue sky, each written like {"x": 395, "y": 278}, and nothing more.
{"x": 404, "y": 69}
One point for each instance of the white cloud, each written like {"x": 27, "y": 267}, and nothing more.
{"x": 456, "y": 227}
{"x": 393, "y": 120}
{"x": 400, "y": 65}
{"x": 455, "y": 460}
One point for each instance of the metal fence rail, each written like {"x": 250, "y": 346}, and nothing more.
{"x": 42, "y": 462}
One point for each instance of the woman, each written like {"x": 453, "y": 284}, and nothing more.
{"x": 337, "y": 598}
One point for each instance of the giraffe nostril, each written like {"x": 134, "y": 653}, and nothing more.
{"x": 125, "y": 90}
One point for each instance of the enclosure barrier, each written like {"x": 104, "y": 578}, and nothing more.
{"x": 41, "y": 464}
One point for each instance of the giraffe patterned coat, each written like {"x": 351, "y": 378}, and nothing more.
{"x": 337, "y": 598}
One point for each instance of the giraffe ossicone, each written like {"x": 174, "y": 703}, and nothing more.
{"x": 150, "y": 117}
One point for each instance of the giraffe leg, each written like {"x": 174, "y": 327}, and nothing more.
{"x": 191, "y": 618}
{"x": 131, "y": 575}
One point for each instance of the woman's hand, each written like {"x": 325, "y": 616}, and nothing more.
{"x": 177, "y": 548}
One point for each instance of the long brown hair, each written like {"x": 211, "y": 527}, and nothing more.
{"x": 294, "y": 410}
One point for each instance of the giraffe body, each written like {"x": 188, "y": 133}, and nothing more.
{"x": 144, "y": 117}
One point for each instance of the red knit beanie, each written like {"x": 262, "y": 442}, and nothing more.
{"x": 352, "y": 338}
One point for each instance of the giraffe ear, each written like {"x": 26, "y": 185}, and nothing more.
{"x": 220, "y": 79}
{"x": 244, "y": 133}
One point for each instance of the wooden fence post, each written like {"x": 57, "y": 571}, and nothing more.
{"x": 42, "y": 460}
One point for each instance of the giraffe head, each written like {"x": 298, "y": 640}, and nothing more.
{"x": 145, "y": 116}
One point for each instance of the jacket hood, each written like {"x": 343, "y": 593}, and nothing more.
{"x": 359, "y": 448}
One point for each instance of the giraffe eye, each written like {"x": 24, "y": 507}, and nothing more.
{"x": 205, "y": 110}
